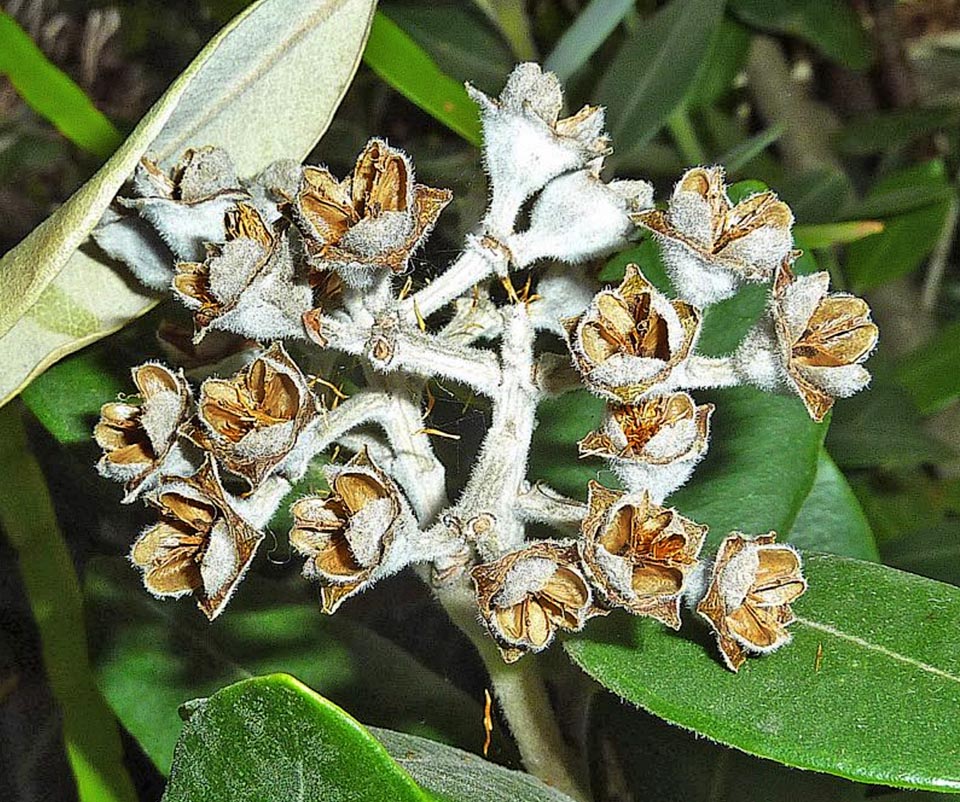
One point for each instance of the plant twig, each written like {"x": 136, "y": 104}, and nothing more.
{"x": 522, "y": 696}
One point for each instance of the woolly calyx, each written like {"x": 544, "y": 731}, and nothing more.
{"x": 578, "y": 217}
{"x": 355, "y": 536}
{"x": 638, "y": 555}
{"x": 247, "y": 285}
{"x": 200, "y": 545}
{"x": 652, "y": 445}
{"x": 251, "y": 422}
{"x": 747, "y": 603}
{"x": 709, "y": 245}
{"x": 186, "y": 207}
{"x": 822, "y": 338}
{"x": 525, "y": 596}
{"x": 526, "y": 144}
{"x": 631, "y": 339}
{"x": 140, "y": 441}
{"x": 372, "y": 220}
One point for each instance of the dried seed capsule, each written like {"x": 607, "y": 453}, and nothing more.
{"x": 639, "y": 555}
{"x": 247, "y": 285}
{"x": 631, "y": 339}
{"x": 711, "y": 246}
{"x": 372, "y": 220}
{"x": 172, "y": 216}
{"x": 578, "y": 217}
{"x": 525, "y": 596}
{"x": 252, "y": 421}
{"x": 653, "y": 445}
{"x": 140, "y": 441}
{"x": 811, "y": 342}
{"x": 747, "y": 602}
{"x": 356, "y": 535}
{"x": 200, "y": 545}
{"x": 526, "y": 144}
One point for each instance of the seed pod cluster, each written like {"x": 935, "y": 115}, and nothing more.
{"x": 315, "y": 334}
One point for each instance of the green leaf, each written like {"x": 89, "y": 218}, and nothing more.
{"x": 403, "y": 64}
{"x": 52, "y": 93}
{"x": 831, "y": 26}
{"x": 459, "y": 39}
{"x": 142, "y": 642}
{"x": 933, "y": 552}
{"x": 831, "y": 518}
{"x": 274, "y": 738}
{"x": 760, "y": 467}
{"x": 884, "y": 130}
{"x": 746, "y": 151}
{"x": 510, "y": 16}
{"x": 930, "y": 372}
{"x": 900, "y": 249}
{"x": 29, "y": 521}
{"x": 562, "y": 421}
{"x": 816, "y": 196}
{"x": 452, "y": 775}
{"x": 69, "y": 394}
{"x": 658, "y": 761}
{"x": 582, "y": 39}
{"x": 876, "y": 709}
{"x": 253, "y": 75}
{"x": 914, "y": 186}
{"x": 654, "y": 69}
{"x": 825, "y": 235}
{"x": 725, "y": 60}
{"x": 882, "y": 427}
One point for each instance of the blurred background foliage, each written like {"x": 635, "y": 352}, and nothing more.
{"x": 850, "y": 110}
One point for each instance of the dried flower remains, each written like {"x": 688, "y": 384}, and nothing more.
{"x": 331, "y": 347}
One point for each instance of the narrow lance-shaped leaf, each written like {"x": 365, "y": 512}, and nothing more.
{"x": 867, "y": 690}
{"x": 654, "y": 68}
{"x": 29, "y": 521}
{"x": 52, "y": 93}
{"x": 400, "y": 61}
{"x": 832, "y": 26}
{"x": 592, "y": 26}
{"x": 258, "y": 72}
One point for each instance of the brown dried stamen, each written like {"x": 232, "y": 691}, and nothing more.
{"x": 261, "y": 397}
{"x": 641, "y": 422}
{"x": 626, "y": 326}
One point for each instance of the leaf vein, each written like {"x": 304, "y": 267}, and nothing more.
{"x": 939, "y": 672}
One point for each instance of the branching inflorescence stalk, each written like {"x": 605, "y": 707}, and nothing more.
{"x": 294, "y": 255}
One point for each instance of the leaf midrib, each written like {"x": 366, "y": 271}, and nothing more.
{"x": 876, "y": 647}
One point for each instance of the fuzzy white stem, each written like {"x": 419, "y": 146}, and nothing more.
{"x": 701, "y": 372}
{"x": 504, "y": 207}
{"x": 426, "y": 356}
{"x": 415, "y": 467}
{"x": 522, "y": 696}
{"x": 390, "y": 347}
{"x": 259, "y": 507}
{"x": 474, "y": 265}
{"x": 542, "y": 504}
{"x": 501, "y": 468}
